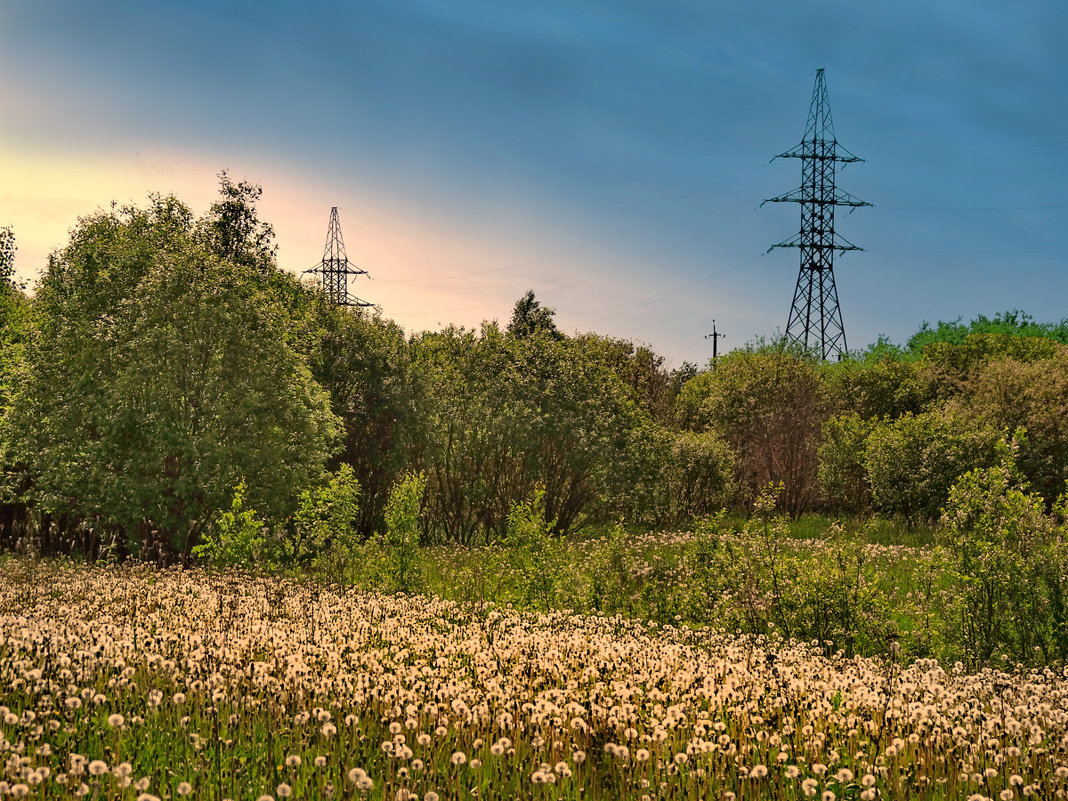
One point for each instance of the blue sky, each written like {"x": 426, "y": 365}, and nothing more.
{"x": 611, "y": 156}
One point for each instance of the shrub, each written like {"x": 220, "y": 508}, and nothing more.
{"x": 998, "y": 535}
{"x": 324, "y": 527}
{"x": 913, "y": 461}
{"x": 534, "y": 560}
{"x": 401, "y": 541}
{"x": 843, "y": 480}
{"x": 235, "y": 538}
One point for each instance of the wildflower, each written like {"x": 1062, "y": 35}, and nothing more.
{"x": 283, "y": 790}
{"x": 758, "y": 772}
{"x": 828, "y": 795}
{"x": 184, "y": 788}
{"x": 293, "y": 761}
{"x": 116, "y": 720}
{"x": 459, "y": 758}
{"x": 430, "y": 795}
{"x": 845, "y": 776}
{"x": 808, "y": 786}
{"x": 1006, "y": 795}
{"x": 98, "y": 767}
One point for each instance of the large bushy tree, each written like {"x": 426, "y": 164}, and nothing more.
{"x": 164, "y": 372}
{"x": 508, "y": 412}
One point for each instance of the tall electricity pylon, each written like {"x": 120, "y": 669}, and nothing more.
{"x": 334, "y": 270}
{"x": 815, "y": 319}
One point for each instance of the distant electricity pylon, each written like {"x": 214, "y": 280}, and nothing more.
{"x": 334, "y": 270}
{"x": 815, "y": 319}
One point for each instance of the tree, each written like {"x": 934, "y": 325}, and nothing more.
{"x": 7, "y": 256}
{"x": 364, "y": 363}
{"x": 233, "y": 230}
{"x": 529, "y": 317}
{"x": 640, "y": 369}
{"x": 506, "y": 412}
{"x": 912, "y": 462}
{"x": 768, "y": 404}
{"x": 14, "y": 331}
{"x": 1008, "y": 394}
{"x": 163, "y": 375}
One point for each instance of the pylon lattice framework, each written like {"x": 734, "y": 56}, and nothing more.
{"x": 815, "y": 318}
{"x": 334, "y": 270}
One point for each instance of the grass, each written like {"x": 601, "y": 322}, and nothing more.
{"x": 129, "y": 683}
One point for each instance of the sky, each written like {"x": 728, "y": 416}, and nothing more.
{"x": 612, "y": 156}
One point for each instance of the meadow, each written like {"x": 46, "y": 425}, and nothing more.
{"x": 125, "y": 682}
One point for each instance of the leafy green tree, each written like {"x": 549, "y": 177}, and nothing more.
{"x": 883, "y": 387}
{"x": 14, "y": 334}
{"x": 912, "y": 462}
{"x": 364, "y": 362}
{"x": 505, "y": 412}
{"x": 998, "y": 537}
{"x": 529, "y": 317}
{"x": 768, "y": 404}
{"x": 641, "y": 370}
{"x": 1005, "y": 324}
{"x": 7, "y": 256}
{"x": 843, "y": 480}
{"x": 1009, "y": 394}
{"x": 233, "y": 230}
{"x": 162, "y": 376}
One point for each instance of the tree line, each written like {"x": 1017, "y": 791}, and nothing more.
{"x": 166, "y": 370}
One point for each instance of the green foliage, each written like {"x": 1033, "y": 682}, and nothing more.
{"x": 999, "y": 541}
{"x": 365, "y": 364}
{"x": 912, "y": 462}
{"x": 679, "y": 476}
{"x": 1009, "y": 394}
{"x": 7, "y": 256}
{"x": 232, "y": 229}
{"x": 505, "y": 413}
{"x": 236, "y": 538}
{"x": 649, "y": 385}
{"x": 324, "y": 526}
{"x": 885, "y": 387}
{"x": 1005, "y": 324}
{"x": 400, "y": 544}
{"x": 529, "y": 317}
{"x": 768, "y": 404}
{"x": 843, "y": 480}
{"x": 161, "y": 375}
{"x": 535, "y": 563}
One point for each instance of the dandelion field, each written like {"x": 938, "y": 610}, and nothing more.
{"x": 125, "y": 682}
